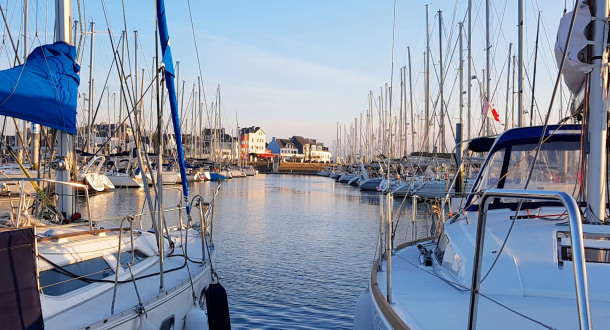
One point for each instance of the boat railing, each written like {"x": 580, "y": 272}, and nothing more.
{"x": 46, "y": 201}
{"x": 577, "y": 245}
{"x": 206, "y": 218}
{"x": 420, "y": 223}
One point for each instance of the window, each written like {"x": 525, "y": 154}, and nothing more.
{"x": 55, "y": 282}
{"x": 168, "y": 323}
{"x": 126, "y": 257}
{"x": 597, "y": 249}
{"x": 556, "y": 168}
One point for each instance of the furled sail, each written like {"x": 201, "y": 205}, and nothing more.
{"x": 44, "y": 89}
{"x": 576, "y": 65}
{"x": 171, "y": 91}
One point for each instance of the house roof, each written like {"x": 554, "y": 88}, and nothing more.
{"x": 251, "y": 129}
{"x": 299, "y": 140}
{"x": 284, "y": 143}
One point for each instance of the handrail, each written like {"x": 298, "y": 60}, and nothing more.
{"x": 577, "y": 244}
{"x": 118, "y": 258}
{"x": 70, "y": 184}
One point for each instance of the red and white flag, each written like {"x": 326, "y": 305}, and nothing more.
{"x": 489, "y": 110}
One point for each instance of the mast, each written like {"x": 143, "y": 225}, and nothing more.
{"x": 597, "y": 123}
{"x": 520, "y": 68}
{"x": 442, "y": 76}
{"x": 534, "y": 74}
{"x": 427, "y": 96}
{"x": 89, "y": 123}
{"x": 469, "y": 57}
{"x": 65, "y": 154}
{"x": 389, "y": 204}
{"x": 411, "y": 102}
{"x": 137, "y": 96}
{"x": 459, "y": 133}
{"x": 122, "y": 91}
{"x": 400, "y": 122}
{"x": 512, "y": 96}
{"x": 510, "y": 48}
{"x": 199, "y": 131}
{"x": 159, "y": 182}
{"x": 488, "y": 65}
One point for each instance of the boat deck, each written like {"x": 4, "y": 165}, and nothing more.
{"x": 416, "y": 288}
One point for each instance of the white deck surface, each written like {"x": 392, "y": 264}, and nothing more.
{"x": 527, "y": 279}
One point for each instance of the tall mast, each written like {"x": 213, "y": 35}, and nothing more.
{"x": 411, "y": 103}
{"x": 89, "y": 123}
{"x": 440, "y": 46}
{"x": 65, "y": 155}
{"x": 200, "y": 143}
{"x": 488, "y": 64}
{"x": 520, "y": 64}
{"x": 159, "y": 104}
{"x": 427, "y": 93}
{"x": 597, "y": 117}
{"x": 534, "y": 74}
{"x": 512, "y": 96}
{"x": 459, "y": 132}
{"x": 510, "y": 48}
{"x": 122, "y": 91}
{"x": 400, "y": 122}
{"x": 137, "y": 96}
{"x": 469, "y": 58}
{"x": 388, "y": 212}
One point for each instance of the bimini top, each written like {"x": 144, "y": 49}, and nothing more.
{"x": 532, "y": 134}
{"x": 510, "y": 161}
{"x": 481, "y": 144}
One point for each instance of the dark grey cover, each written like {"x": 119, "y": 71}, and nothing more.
{"x": 19, "y": 299}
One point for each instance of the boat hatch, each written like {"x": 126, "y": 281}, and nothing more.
{"x": 61, "y": 280}
{"x": 597, "y": 247}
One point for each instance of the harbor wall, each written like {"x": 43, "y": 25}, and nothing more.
{"x": 289, "y": 167}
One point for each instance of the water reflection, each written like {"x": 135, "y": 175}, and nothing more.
{"x": 293, "y": 252}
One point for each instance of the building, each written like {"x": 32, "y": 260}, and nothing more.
{"x": 312, "y": 150}
{"x": 252, "y": 140}
{"x": 284, "y": 149}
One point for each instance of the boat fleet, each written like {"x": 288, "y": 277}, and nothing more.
{"x": 421, "y": 176}
{"x": 64, "y": 267}
{"x": 519, "y": 240}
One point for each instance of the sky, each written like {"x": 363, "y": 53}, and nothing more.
{"x": 301, "y": 67}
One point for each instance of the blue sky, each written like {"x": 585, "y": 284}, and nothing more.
{"x": 299, "y": 67}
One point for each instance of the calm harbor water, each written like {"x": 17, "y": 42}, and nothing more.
{"x": 293, "y": 252}
{"x": 299, "y": 253}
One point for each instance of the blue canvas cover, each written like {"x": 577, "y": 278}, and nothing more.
{"x": 171, "y": 91}
{"x": 44, "y": 89}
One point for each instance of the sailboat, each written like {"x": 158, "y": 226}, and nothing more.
{"x": 94, "y": 274}
{"x": 530, "y": 247}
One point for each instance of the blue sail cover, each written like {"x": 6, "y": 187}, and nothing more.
{"x": 171, "y": 91}
{"x": 44, "y": 89}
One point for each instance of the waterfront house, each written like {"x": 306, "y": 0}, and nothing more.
{"x": 252, "y": 140}
{"x": 284, "y": 149}
{"x": 311, "y": 149}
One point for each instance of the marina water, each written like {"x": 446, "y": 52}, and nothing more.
{"x": 293, "y": 252}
